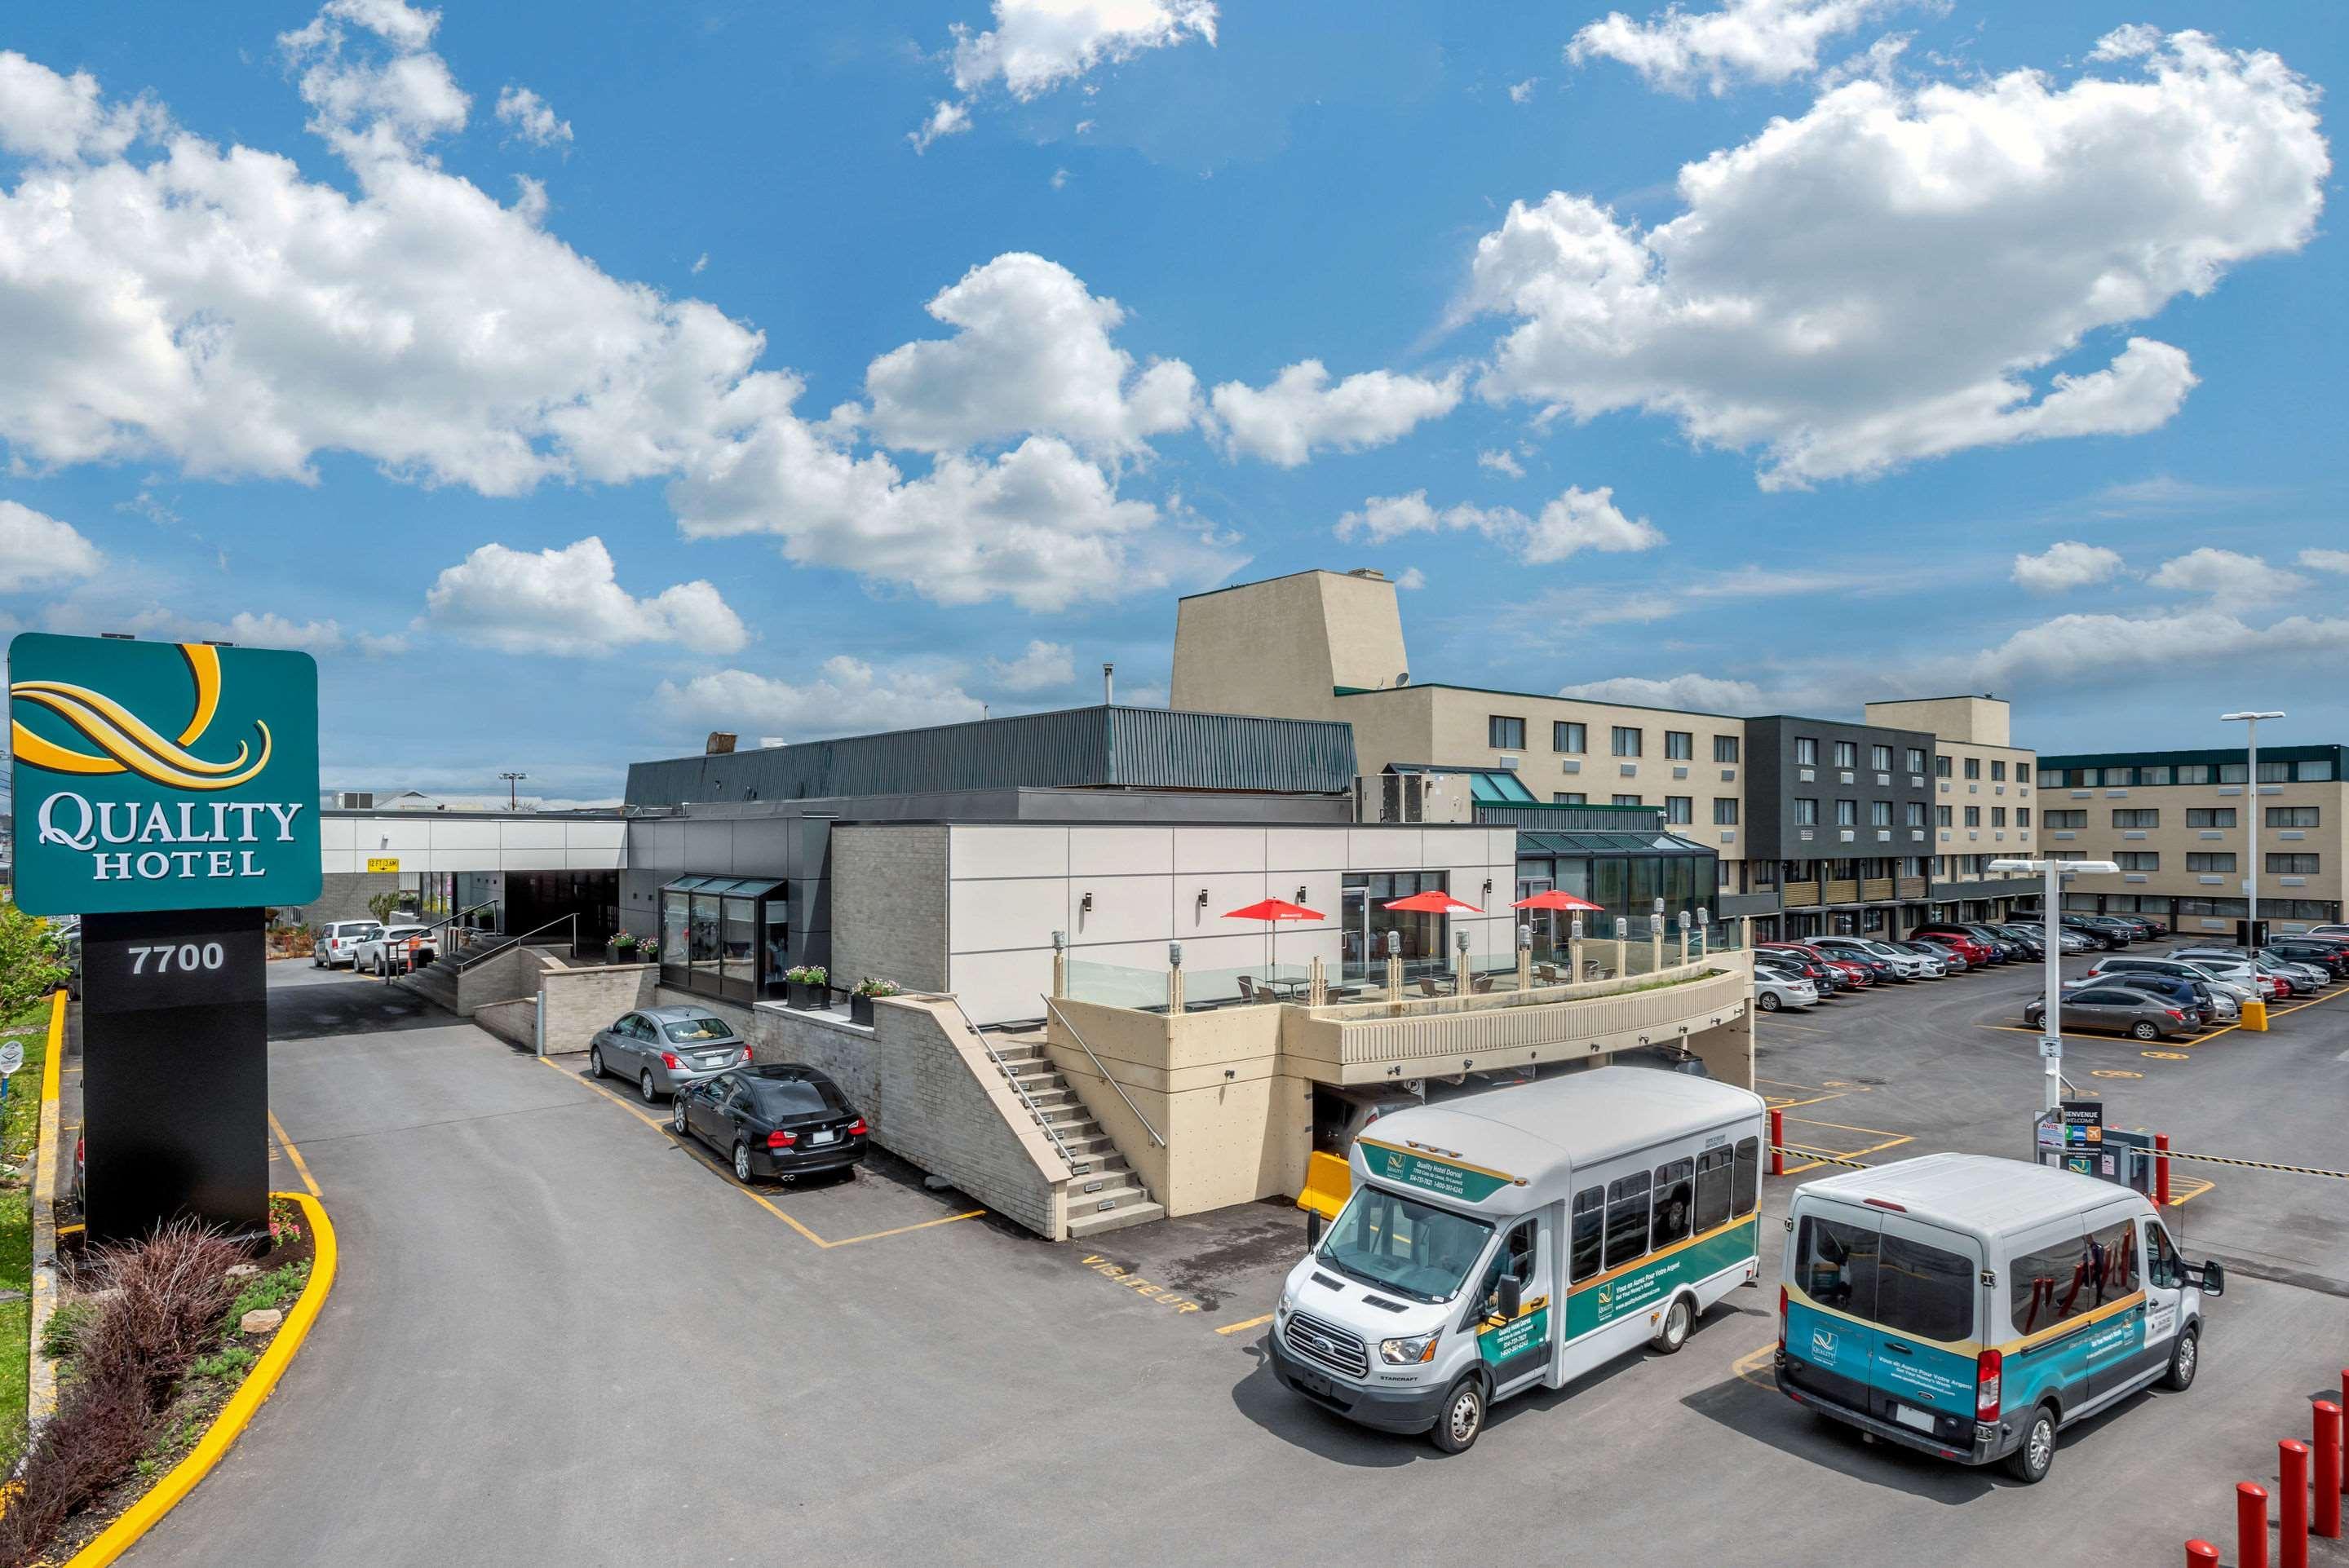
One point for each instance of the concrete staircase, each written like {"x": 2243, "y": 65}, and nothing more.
{"x": 1106, "y": 1194}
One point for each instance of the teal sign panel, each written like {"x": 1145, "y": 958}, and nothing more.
{"x": 163, "y": 775}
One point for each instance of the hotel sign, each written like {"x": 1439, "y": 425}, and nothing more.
{"x": 161, "y": 775}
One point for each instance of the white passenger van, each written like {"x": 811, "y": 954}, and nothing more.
{"x": 1516, "y": 1239}
{"x": 1972, "y": 1307}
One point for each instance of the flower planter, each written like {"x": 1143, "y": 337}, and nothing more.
{"x": 859, "y": 1010}
{"x": 805, "y": 997}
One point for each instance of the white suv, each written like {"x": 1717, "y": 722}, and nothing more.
{"x": 339, "y": 939}
{"x": 386, "y": 951}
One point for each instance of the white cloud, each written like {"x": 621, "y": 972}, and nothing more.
{"x": 1041, "y": 668}
{"x": 2226, "y": 575}
{"x": 2091, "y": 650}
{"x": 849, "y": 697}
{"x": 245, "y": 629}
{"x": 1702, "y": 693}
{"x": 1501, "y": 462}
{"x": 2325, "y": 560}
{"x": 2066, "y": 564}
{"x": 1031, "y": 352}
{"x": 569, "y": 602}
{"x": 1412, "y": 578}
{"x": 212, "y": 309}
{"x": 1761, "y": 40}
{"x": 1871, "y": 283}
{"x": 60, "y": 119}
{"x": 1059, "y": 178}
{"x": 948, "y": 117}
{"x": 1039, "y": 45}
{"x": 1301, "y": 410}
{"x": 533, "y": 117}
{"x": 1577, "y": 519}
{"x": 36, "y": 550}
{"x": 700, "y": 264}
{"x": 1523, "y": 92}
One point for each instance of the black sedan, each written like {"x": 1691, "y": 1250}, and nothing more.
{"x": 776, "y": 1122}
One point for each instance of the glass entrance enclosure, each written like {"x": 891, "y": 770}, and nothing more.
{"x": 1623, "y": 873}
{"x": 1420, "y": 937}
{"x": 728, "y": 938}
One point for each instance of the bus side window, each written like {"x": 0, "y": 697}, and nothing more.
{"x": 1589, "y": 1219}
{"x": 1746, "y": 1189}
{"x": 1675, "y": 1196}
{"x": 1713, "y": 1189}
{"x": 1626, "y": 1218}
{"x": 2051, "y": 1285}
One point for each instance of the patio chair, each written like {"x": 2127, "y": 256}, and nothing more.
{"x": 1248, "y": 989}
{"x": 1547, "y": 974}
{"x": 1482, "y": 985}
{"x": 1427, "y": 987}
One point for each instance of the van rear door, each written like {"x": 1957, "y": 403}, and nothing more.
{"x": 1929, "y": 1299}
{"x": 1830, "y": 1297}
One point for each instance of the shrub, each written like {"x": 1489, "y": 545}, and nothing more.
{"x": 62, "y": 1333}
{"x": 230, "y": 1362}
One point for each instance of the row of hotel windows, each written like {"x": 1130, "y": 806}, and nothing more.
{"x": 1880, "y": 814}
{"x": 1506, "y": 733}
{"x": 1880, "y": 758}
{"x": 2284, "y": 864}
{"x": 1946, "y": 868}
{"x": 2196, "y": 817}
{"x": 2312, "y": 909}
{"x": 1681, "y": 809}
{"x": 2308, "y": 772}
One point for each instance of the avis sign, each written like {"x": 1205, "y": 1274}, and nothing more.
{"x": 161, "y": 775}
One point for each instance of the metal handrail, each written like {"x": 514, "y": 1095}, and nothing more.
{"x": 475, "y": 955}
{"x": 440, "y": 924}
{"x": 1053, "y": 1007}
{"x": 1017, "y": 1088}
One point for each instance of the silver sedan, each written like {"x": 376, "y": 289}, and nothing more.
{"x": 666, "y": 1049}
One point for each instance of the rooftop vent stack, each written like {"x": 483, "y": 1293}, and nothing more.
{"x": 1109, "y": 686}
{"x": 720, "y": 743}
{"x": 1372, "y": 572}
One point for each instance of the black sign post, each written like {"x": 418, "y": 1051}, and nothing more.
{"x": 175, "y": 1070}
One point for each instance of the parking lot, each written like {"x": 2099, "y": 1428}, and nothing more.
{"x": 562, "y": 1336}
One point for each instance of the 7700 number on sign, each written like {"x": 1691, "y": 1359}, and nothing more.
{"x": 185, "y": 955}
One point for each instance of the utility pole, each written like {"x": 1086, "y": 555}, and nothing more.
{"x": 512, "y": 800}
{"x": 2252, "y": 798}
{"x": 2051, "y": 1025}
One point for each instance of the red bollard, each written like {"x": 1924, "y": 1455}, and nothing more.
{"x": 2201, "y": 1554}
{"x": 2292, "y": 1482}
{"x": 2328, "y": 1470}
{"x": 2161, "y": 1169}
{"x": 1778, "y": 1168}
{"x": 2250, "y": 1525}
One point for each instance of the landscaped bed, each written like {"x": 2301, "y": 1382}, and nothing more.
{"x": 154, "y": 1344}
{"x": 20, "y": 1130}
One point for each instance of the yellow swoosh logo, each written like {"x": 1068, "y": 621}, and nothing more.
{"x": 130, "y": 745}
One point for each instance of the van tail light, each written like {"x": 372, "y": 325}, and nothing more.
{"x": 779, "y": 1138}
{"x": 1782, "y": 1320}
{"x": 668, "y": 1061}
{"x": 1986, "y": 1386}
{"x": 857, "y": 1128}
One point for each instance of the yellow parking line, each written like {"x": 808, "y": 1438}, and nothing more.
{"x": 1841, "y": 1127}
{"x": 663, "y": 1129}
{"x": 2296, "y": 1007}
{"x": 2198, "y": 1184}
{"x": 295, "y": 1154}
{"x": 1752, "y": 1362}
{"x": 1247, "y": 1323}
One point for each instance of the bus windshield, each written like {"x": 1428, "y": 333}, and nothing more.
{"x": 1387, "y": 1240}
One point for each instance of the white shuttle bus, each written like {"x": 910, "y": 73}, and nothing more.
{"x": 1516, "y": 1239}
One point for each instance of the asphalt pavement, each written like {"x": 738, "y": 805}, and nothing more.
{"x": 560, "y": 1337}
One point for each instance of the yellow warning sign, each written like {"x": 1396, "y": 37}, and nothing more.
{"x": 383, "y": 862}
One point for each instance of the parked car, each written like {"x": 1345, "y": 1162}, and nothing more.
{"x": 1824, "y": 980}
{"x": 2292, "y": 981}
{"x": 1902, "y": 964}
{"x": 1858, "y": 950}
{"x": 388, "y": 952}
{"x": 779, "y": 1122}
{"x": 2077, "y": 941}
{"x": 1853, "y": 976}
{"x": 2111, "y": 939}
{"x": 2236, "y": 983}
{"x": 2201, "y": 1004}
{"x": 2033, "y": 943}
{"x": 337, "y": 943}
{"x": 2118, "y": 1008}
{"x": 2255, "y": 985}
{"x": 663, "y": 1049}
{"x": 1775, "y": 988}
{"x": 2332, "y": 957}
{"x": 1943, "y": 961}
{"x": 1978, "y": 954}
{"x": 2329, "y": 933}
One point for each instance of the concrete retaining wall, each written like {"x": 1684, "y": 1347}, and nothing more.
{"x": 516, "y": 1023}
{"x": 579, "y": 1002}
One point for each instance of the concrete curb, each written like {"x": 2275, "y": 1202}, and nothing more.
{"x": 237, "y": 1414}
{"x": 41, "y": 1374}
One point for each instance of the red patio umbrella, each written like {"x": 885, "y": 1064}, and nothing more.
{"x": 1552, "y": 898}
{"x": 1272, "y": 910}
{"x": 1433, "y": 902}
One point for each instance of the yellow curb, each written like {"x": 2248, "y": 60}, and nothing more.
{"x": 41, "y": 1374}
{"x": 230, "y": 1424}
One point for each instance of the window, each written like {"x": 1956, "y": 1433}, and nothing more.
{"x": 1834, "y": 1264}
{"x": 2194, "y": 773}
{"x": 2275, "y": 772}
{"x": 1916, "y": 760}
{"x": 1997, "y": 772}
{"x": 1941, "y": 768}
{"x": 1393, "y": 1240}
{"x": 1680, "y": 809}
{"x": 1628, "y": 800}
{"x": 1973, "y": 816}
{"x": 2163, "y": 1268}
{"x": 1925, "y": 1290}
{"x": 2314, "y": 772}
{"x": 1725, "y": 813}
{"x": 1565, "y": 735}
{"x": 2087, "y": 776}
{"x": 2136, "y": 819}
{"x": 1680, "y": 746}
{"x": 2059, "y": 1283}
{"x": 1973, "y": 767}
{"x": 1713, "y": 1189}
{"x": 2231, "y": 773}
{"x": 1998, "y": 816}
{"x": 1879, "y": 813}
{"x": 1569, "y": 798}
{"x": 1880, "y": 759}
{"x": 2049, "y": 777}
{"x": 2292, "y": 865}
{"x": 1940, "y": 816}
{"x": 1806, "y": 811}
{"x": 1626, "y": 1218}
{"x": 1746, "y": 1184}
{"x": 2072, "y": 818}
{"x": 1807, "y": 751}
{"x": 2292, "y": 817}
{"x": 2209, "y": 816}
{"x": 2210, "y": 860}
{"x": 1627, "y": 741}
{"x": 1589, "y": 1217}
{"x": 1675, "y": 1202}
{"x": 1515, "y": 1258}
{"x": 1724, "y": 748}
{"x": 1505, "y": 734}
{"x": 2023, "y": 816}
{"x": 1847, "y": 814}
{"x": 1846, "y": 753}
{"x": 2139, "y": 860}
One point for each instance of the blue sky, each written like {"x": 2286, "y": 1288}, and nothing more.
{"x": 1772, "y": 356}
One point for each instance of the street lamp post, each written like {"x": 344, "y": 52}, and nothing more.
{"x": 2252, "y": 791}
{"x": 2051, "y": 1023}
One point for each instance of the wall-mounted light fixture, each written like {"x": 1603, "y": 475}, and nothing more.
{"x": 1301, "y": 893}
{"x": 1488, "y": 889}
{"x": 1085, "y": 905}
{"x": 1202, "y": 900}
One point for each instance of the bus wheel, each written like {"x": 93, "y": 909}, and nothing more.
{"x": 2030, "y": 1463}
{"x": 1679, "y": 1318}
{"x": 1461, "y": 1420}
{"x": 2184, "y": 1357}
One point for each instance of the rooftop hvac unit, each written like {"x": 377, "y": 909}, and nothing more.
{"x": 356, "y": 801}
{"x": 720, "y": 744}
